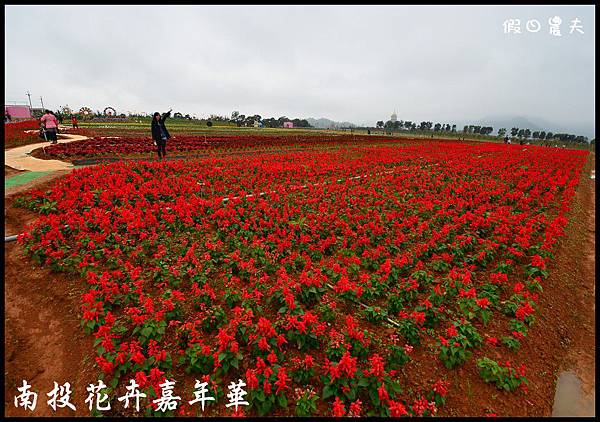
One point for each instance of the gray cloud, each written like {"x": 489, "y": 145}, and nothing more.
{"x": 354, "y": 63}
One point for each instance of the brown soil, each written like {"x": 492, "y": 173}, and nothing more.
{"x": 43, "y": 339}
{"x": 9, "y": 171}
{"x": 40, "y": 153}
{"x": 581, "y": 355}
{"x": 45, "y": 343}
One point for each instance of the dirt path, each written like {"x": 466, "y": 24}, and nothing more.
{"x": 19, "y": 158}
{"x": 577, "y": 396}
{"x": 578, "y": 272}
{"x": 43, "y": 339}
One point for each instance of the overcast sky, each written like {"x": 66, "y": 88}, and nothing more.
{"x": 353, "y": 63}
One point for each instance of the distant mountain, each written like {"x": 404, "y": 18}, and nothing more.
{"x": 324, "y": 123}
{"x": 533, "y": 124}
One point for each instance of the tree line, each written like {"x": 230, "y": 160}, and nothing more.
{"x": 242, "y": 120}
{"x": 515, "y": 132}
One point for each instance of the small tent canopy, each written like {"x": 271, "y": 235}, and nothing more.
{"x": 18, "y": 111}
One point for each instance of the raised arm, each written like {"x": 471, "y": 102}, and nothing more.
{"x": 167, "y": 114}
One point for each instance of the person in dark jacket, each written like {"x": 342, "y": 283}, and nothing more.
{"x": 160, "y": 134}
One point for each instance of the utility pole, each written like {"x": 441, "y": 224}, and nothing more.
{"x": 42, "y": 101}
{"x": 29, "y": 96}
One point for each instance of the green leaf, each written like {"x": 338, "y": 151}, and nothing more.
{"x": 282, "y": 400}
{"x": 363, "y": 382}
{"x": 114, "y": 382}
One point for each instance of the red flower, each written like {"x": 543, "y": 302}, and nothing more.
{"x": 251, "y": 379}
{"x": 499, "y": 278}
{"x": 141, "y": 379}
{"x": 282, "y": 380}
{"x": 377, "y": 366}
{"x": 492, "y": 340}
{"x": 263, "y": 345}
{"x": 106, "y": 366}
{"x": 267, "y": 387}
{"x": 441, "y": 387}
{"x": 156, "y": 375}
{"x": 338, "y": 408}
{"x": 347, "y": 365}
{"x": 355, "y": 408}
{"x": 309, "y": 361}
{"x": 137, "y": 357}
{"x": 272, "y": 358}
{"x": 420, "y": 405}
{"x": 538, "y": 261}
{"x": 383, "y": 394}
{"x": 397, "y": 409}
{"x": 451, "y": 331}
{"x": 482, "y": 303}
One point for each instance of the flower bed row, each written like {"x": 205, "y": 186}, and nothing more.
{"x": 445, "y": 239}
{"x": 183, "y": 144}
{"x": 15, "y": 133}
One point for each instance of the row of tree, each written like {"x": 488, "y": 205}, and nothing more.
{"x": 255, "y": 119}
{"x": 543, "y": 135}
{"x": 240, "y": 120}
{"x": 515, "y": 132}
{"x": 408, "y": 125}
{"x": 481, "y": 130}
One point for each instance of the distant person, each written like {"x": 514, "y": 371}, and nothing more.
{"x": 160, "y": 134}
{"x": 368, "y": 131}
{"x": 50, "y": 125}
{"x": 74, "y": 122}
{"x": 506, "y": 139}
{"x": 7, "y": 118}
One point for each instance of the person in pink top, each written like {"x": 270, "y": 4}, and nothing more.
{"x": 50, "y": 125}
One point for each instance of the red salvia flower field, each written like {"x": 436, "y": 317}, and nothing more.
{"x": 318, "y": 274}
